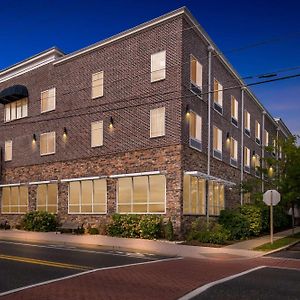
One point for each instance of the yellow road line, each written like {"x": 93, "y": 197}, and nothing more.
{"x": 44, "y": 262}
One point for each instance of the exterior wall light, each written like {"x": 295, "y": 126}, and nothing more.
{"x": 34, "y": 138}
{"x": 253, "y": 154}
{"x": 187, "y": 110}
{"x": 111, "y": 122}
{"x": 228, "y": 137}
{"x": 65, "y": 132}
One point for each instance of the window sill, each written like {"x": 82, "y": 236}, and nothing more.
{"x": 234, "y": 122}
{"x": 46, "y": 111}
{"x": 157, "y": 80}
{"x": 45, "y": 154}
{"x": 157, "y": 136}
{"x": 218, "y": 108}
{"x": 97, "y": 97}
{"x": 5, "y": 122}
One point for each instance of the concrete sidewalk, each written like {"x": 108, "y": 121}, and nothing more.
{"x": 253, "y": 243}
{"x": 130, "y": 245}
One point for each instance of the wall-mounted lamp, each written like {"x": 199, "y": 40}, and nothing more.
{"x": 187, "y": 110}
{"x": 111, "y": 122}
{"x": 227, "y": 136}
{"x": 65, "y": 132}
{"x": 34, "y": 137}
{"x": 253, "y": 154}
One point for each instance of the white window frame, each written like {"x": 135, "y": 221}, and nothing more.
{"x": 163, "y": 67}
{"x": 101, "y": 93}
{"x": 8, "y": 146}
{"x": 101, "y": 134}
{"x": 53, "y": 107}
{"x": 47, "y": 134}
{"x": 199, "y": 72}
{"x": 47, "y": 188}
{"x": 153, "y": 114}
{"x": 235, "y": 113}
{"x": 18, "y": 205}
{"x": 219, "y": 142}
{"x": 247, "y": 159}
{"x": 266, "y": 141}
{"x": 235, "y": 142}
{"x": 8, "y": 108}
{"x": 219, "y": 100}
{"x": 247, "y": 120}
{"x": 257, "y": 132}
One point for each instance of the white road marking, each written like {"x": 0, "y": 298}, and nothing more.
{"x": 84, "y": 273}
{"x": 67, "y": 248}
{"x": 203, "y": 288}
{"x": 283, "y": 268}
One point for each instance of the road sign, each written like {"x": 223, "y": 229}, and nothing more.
{"x": 271, "y": 197}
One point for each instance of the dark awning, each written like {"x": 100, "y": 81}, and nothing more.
{"x": 13, "y": 93}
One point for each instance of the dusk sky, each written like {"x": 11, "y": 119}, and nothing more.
{"x": 29, "y": 27}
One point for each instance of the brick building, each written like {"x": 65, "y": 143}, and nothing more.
{"x": 152, "y": 120}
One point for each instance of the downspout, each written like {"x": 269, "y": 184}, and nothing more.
{"x": 242, "y": 143}
{"x": 210, "y": 50}
{"x": 263, "y": 152}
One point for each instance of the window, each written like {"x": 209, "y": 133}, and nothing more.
{"x": 194, "y": 195}
{"x": 257, "y": 165}
{"x": 97, "y": 84}
{"x": 47, "y": 197}
{"x": 247, "y": 160}
{"x": 88, "y": 197}
{"x": 233, "y": 152}
{"x": 257, "y": 132}
{"x": 215, "y": 198}
{"x": 157, "y": 122}
{"x": 218, "y": 96}
{"x": 247, "y": 122}
{"x": 280, "y": 152}
{"x": 234, "y": 111}
{"x": 16, "y": 110}
{"x": 158, "y": 66}
{"x": 14, "y": 200}
{"x": 274, "y": 147}
{"x": 97, "y": 134}
{"x": 142, "y": 194}
{"x": 196, "y": 73}
{"x": 247, "y": 198}
{"x": 48, "y": 100}
{"x": 217, "y": 143}
{"x": 266, "y": 141}
{"x": 47, "y": 143}
{"x": 8, "y": 150}
{"x": 195, "y": 131}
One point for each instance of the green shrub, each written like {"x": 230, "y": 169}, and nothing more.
{"x": 168, "y": 231}
{"x": 135, "y": 226}
{"x": 254, "y": 216}
{"x": 93, "y": 230}
{"x": 237, "y": 224}
{"x": 39, "y": 221}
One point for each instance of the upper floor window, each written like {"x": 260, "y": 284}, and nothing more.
{"x": 247, "y": 122}
{"x": 16, "y": 110}
{"x": 97, "y": 84}
{"x": 247, "y": 159}
{"x": 196, "y": 72}
{"x": 234, "y": 111}
{"x": 48, "y": 100}
{"x": 97, "y": 134}
{"x": 218, "y": 96}
{"x": 217, "y": 142}
{"x": 233, "y": 152}
{"x": 47, "y": 143}
{"x": 195, "y": 131}
{"x": 266, "y": 141}
{"x": 257, "y": 132}
{"x": 157, "y": 122}
{"x": 8, "y": 150}
{"x": 158, "y": 66}
{"x": 257, "y": 165}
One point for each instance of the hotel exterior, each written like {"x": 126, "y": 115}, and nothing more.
{"x": 153, "y": 120}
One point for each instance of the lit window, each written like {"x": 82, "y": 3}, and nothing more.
{"x": 16, "y": 110}
{"x": 47, "y": 143}
{"x": 14, "y": 200}
{"x": 257, "y": 132}
{"x": 216, "y": 201}
{"x": 247, "y": 159}
{"x": 47, "y": 197}
{"x": 48, "y": 100}
{"x": 88, "y": 197}
{"x": 266, "y": 141}
{"x": 257, "y": 165}
{"x": 233, "y": 152}
{"x": 195, "y": 131}
{"x": 247, "y": 198}
{"x": 218, "y": 96}
{"x": 8, "y": 150}
{"x": 234, "y": 111}
{"x": 194, "y": 195}
{"x": 217, "y": 142}
{"x": 97, "y": 84}
{"x": 157, "y": 122}
{"x": 196, "y": 72}
{"x": 97, "y": 134}
{"x": 247, "y": 122}
{"x": 142, "y": 194}
{"x": 158, "y": 66}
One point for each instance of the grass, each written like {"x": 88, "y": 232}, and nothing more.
{"x": 279, "y": 243}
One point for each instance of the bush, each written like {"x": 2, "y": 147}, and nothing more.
{"x": 168, "y": 231}
{"x": 236, "y": 223}
{"x": 4, "y": 225}
{"x": 254, "y": 216}
{"x": 93, "y": 230}
{"x": 213, "y": 233}
{"x": 39, "y": 221}
{"x": 135, "y": 226}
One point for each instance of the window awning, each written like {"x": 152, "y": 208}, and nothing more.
{"x": 13, "y": 93}
{"x": 209, "y": 177}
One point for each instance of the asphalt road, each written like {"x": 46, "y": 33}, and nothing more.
{"x": 266, "y": 283}
{"x": 24, "y": 264}
{"x": 291, "y": 252}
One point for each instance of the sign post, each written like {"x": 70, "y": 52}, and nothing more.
{"x": 271, "y": 198}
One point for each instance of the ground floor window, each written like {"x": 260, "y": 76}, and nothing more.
{"x": 142, "y": 194}
{"x": 47, "y": 197}
{"x": 15, "y": 199}
{"x": 193, "y": 195}
{"x": 215, "y": 197}
{"x": 88, "y": 197}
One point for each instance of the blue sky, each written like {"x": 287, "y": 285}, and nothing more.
{"x": 29, "y": 27}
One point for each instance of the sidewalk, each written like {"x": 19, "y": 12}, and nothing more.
{"x": 253, "y": 243}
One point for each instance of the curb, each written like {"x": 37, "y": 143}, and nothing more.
{"x": 282, "y": 248}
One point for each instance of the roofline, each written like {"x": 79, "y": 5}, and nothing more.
{"x": 280, "y": 122}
